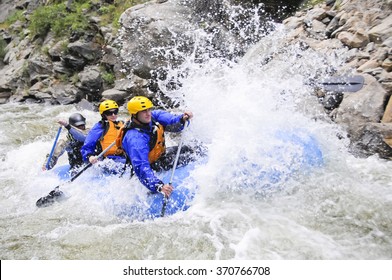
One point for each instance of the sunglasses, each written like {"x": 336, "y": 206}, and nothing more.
{"x": 82, "y": 126}
{"x": 111, "y": 112}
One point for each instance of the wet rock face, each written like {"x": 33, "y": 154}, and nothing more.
{"x": 276, "y": 9}
{"x": 162, "y": 25}
{"x": 363, "y": 29}
{"x": 158, "y": 24}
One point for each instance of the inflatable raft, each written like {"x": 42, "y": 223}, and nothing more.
{"x": 292, "y": 153}
{"x": 140, "y": 203}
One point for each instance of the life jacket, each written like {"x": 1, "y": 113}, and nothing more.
{"x": 112, "y": 130}
{"x": 73, "y": 150}
{"x": 157, "y": 138}
{"x": 157, "y": 142}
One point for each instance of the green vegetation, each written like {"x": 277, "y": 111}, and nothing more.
{"x": 75, "y": 79}
{"x": 55, "y": 18}
{"x": 63, "y": 77}
{"x": 108, "y": 78}
{"x": 3, "y": 45}
{"x": 316, "y": 2}
{"x": 311, "y": 3}
{"x": 14, "y": 17}
{"x": 62, "y": 22}
{"x": 110, "y": 14}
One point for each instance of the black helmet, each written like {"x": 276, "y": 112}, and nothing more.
{"x": 77, "y": 120}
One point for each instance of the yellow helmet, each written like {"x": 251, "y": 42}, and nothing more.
{"x": 139, "y": 103}
{"x": 107, "y": 105}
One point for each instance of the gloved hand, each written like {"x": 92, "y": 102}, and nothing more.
{"x": 166, "y": 190}
{"x": 93, "y": 159}
{"x": 186, "y": 116}
{"x": 62, "y": 122}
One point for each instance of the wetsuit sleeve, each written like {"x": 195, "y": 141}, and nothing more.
{"x": 90, "y": 143}
{"x": 58, "y": 151}
{"x": 77, "y": 134}
{"x": 136, "y": 146}
{"x": 171, "y": 122}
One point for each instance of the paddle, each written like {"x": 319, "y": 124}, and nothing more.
{"x": 174, "y": 169}
{"x": 47, "y": 166}
{"x": 342, "y": 84}
{"x": 56, "y": 193}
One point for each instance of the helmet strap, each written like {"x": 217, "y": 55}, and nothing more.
{"x": 135, "y": 119}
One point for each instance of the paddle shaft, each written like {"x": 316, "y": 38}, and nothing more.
{"x": 54, "y": 146}
{"x": 85, "y": 167}
{"x": 176, "y": 159}
{"x": 173, "y": 171}
{"x": 342, "y": 84}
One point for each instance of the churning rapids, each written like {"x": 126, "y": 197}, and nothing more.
{"x": 341, "y": 210}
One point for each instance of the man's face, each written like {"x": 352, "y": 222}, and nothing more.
{"x": 144, "y": 116}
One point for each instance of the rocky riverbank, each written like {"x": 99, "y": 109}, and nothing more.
{"x": 364, "y": 30}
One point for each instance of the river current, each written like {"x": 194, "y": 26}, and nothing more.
{"x": 339, "y": 210}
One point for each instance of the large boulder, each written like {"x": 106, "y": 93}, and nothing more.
{"x": 151, "y": 32}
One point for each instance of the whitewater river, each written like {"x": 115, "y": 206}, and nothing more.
{"x": 341, "y": 209}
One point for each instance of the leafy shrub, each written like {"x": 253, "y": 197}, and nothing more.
{"x": 55, "y": 18}
{"x": 3, "y": 45}
{"x": 12, "y": 18}
{"x": 111, "y": 14}
{"x": 108, "y": 77}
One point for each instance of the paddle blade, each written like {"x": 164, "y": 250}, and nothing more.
{"x": 342, "y": 84}
{"x": 51, "y": 198}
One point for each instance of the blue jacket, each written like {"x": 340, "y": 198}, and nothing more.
{"x": 136, "y": 144}
{"x": 77, "y": 134}
{"x": 90, "y": 146}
